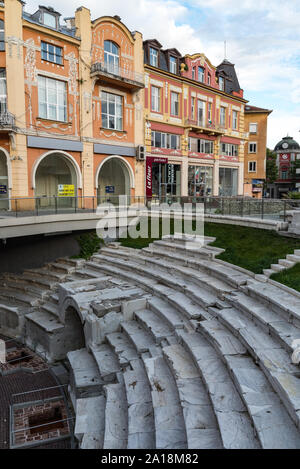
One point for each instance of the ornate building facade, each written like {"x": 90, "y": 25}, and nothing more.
{"x": 194, "y": 125}
{"x": 71, "y": 115}
{"x": 256, "y": 124}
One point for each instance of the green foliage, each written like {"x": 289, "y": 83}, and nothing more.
{"x": 89, "y": 244}
{"x": 271, "y": 167}
{"x": 293, "y": 195}
{"x": 290, "y": 277}
{"x": 251, "y": 248}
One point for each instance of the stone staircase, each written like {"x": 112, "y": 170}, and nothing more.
{"x": 283, "y": 264}
{"x": 181, "y": 350}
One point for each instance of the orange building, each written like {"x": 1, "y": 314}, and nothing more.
{"x": 71, "y": 102}
{"x": 256, "y": 124}
{"x": 194, "y": 125}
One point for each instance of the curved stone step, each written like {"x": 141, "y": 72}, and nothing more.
{"x": 222, "y": 272}
{"x": 85, "y": 379}
{"x": 90, "y": 419}
{"x": 107, "y": 362}
{"x": 170, "y": 430}
{"x": 273, "y": 359}
{"x": 141, "y": 339}
{"x": 188, "y": 294}
{"x": 168, "y": 313}
{"x": 141, "y": 427}
{"x": 278, "y": 299}
{"x": 116, "y": 416}
{"x": 270, "y": 321}
{"x": 203, "y": 280}
{"x": 19, "y": 297}
{"x": 61, "y": 268}
{"x": 203, "y": 252}
{"x": 234, "y": 423}
{"x": 43, "y": 276}
{"x": 122, "y": 347}
{"x": 157, "y": 326}
{"x": 200, "y": 422}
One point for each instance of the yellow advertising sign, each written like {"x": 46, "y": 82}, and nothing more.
{"x": 66, "y": 190}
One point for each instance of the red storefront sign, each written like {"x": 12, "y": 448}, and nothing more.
{"x": 149, "y": 161}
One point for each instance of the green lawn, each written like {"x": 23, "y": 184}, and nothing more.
{"x": 290, "y": 277}
{"x": 251, "y": 248}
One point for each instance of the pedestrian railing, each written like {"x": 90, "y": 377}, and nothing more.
{"x": 272, "y": 209}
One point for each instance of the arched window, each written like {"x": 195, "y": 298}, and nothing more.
{"x": 2, "y": 42}
{"x": 111, "y": 57}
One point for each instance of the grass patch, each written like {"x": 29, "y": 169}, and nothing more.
{"x": 251, "y": 248}
{"x": 89, "y": 243}
{"x": 290, "y": 277}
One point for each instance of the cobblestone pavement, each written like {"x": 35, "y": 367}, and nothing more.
{"x": 22, "y": 382}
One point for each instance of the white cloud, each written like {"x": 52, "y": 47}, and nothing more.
{"x": 262, "y": 37}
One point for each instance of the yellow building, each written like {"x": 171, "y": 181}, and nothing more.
{"x": 256, "y": 123}
{"x": 71, "y": 107}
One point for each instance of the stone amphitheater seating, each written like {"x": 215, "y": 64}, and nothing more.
{"x": 181, "y": 349}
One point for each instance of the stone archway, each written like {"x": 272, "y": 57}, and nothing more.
{"x": 74, "y": 338}
{"x": 114, "y": 179}
{"x": 54, "y": 175}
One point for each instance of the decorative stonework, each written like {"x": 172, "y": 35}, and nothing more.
{"x": 113, "y": 134}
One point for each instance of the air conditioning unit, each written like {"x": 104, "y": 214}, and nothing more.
{"x": 141, "y": 153}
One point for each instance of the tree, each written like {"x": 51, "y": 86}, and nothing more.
{"x": 271, "y": 167}
{"x": 295, "y": 171}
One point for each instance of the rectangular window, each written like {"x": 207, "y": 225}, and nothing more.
{"x": 198, "y": 145}
{"x": 201, "y": 74}
{"x": 194, "y": 73}
{"x": 112, "y": 111}
{"x": 234, "y": 120}
{"x": 209, "y": 113}
{"x": 252, "y": 147}
{"x": 52, "y": 99}
{"x": 173, "y": 65}
{"x": 3, "y": 93}
{"x": 208, "y": 79}
{"x": 162, "y": 140}
{"x": 155, "y": 99}
{"x": 253, "y": 128}
{"x": 153, "y": 57}
{"x": 2, "y": 40}
{"x": 174, "y": 104}
{"x": 222, "y": 116}
{"x": 284, "y": 174}
{"x": 221, "y": 83}
{"x": 201, "y": 113}
{"x": 193, "y": 108}
{"x": 227, "y": 149}
{"x": 50, "y": 20}
{"x": 52, "y": 53}
{"x": 252, "y": 167}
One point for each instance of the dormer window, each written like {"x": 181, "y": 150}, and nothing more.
{"x": 221, "y": 83}
{"x": 194, "y": 73}
{"x": 50, "y": 20}
{"x": 201, "y": 74}
{"x": 173, "y": 65}
{"x": 209, "y": 79}
{"x": 153, "y": 57}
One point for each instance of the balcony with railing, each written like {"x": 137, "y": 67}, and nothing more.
{"x": 118, "y": 75}
{"x": 205, "y": 126}
{"x": 7, "y": 119}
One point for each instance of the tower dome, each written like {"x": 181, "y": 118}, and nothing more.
{"x": 287, "y": 144}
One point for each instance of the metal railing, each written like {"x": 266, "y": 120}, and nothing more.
{"x": 7, "y": 119}
{"x": 272, "y": 209}
{"x": 205, "y": 124}
{"x": 117, "y": 71}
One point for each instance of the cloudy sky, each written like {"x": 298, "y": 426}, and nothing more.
{"x": 262, "y": 38}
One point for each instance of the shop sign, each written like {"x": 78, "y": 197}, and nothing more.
{"x": 3, "y": 189}
{"x": 149, "y": 161}
{"x": 109, "y": 189}
{"x": 66, "y": 190}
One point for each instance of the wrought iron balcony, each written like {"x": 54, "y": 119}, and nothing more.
{"x": 7, "y": 120}
{"x": 118, "y": 75}
{"x": 205, "y": 126}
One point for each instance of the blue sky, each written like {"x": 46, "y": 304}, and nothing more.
{"x": 262, "y": 38}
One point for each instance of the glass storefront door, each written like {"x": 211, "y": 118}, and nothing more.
{"x": 228, "y": 182}
{"x": 200, "y": 181}
{"x": 165, "y": 181}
